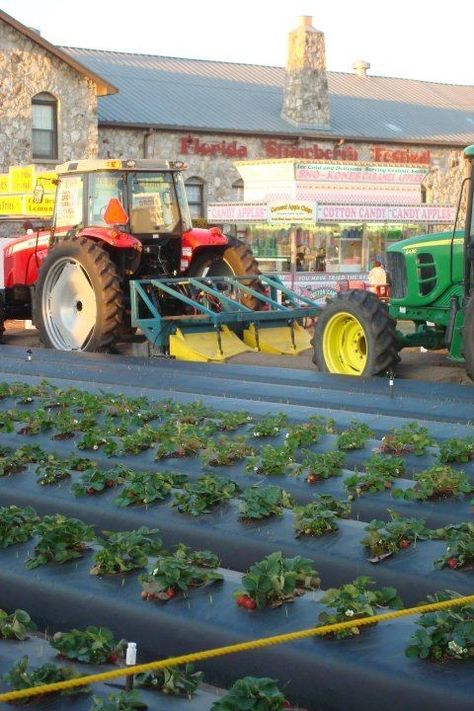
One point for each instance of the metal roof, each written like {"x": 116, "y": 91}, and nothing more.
{"x": 189, "y": 94}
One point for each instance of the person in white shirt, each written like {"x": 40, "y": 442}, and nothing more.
{"x": 377, "y": 276}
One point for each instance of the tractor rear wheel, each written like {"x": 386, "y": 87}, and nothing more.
{"x": 236, "y": 260}
{"x": 354, "y": 335}
{"x": 468, "y": 338}
{"x": 78, "y": 298}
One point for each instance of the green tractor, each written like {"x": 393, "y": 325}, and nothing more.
{"x": 432, "y": 285}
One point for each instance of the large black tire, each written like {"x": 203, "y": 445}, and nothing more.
{"x": 355, "y": 335}
{"x": 236, "y": 260}
{"x": 78, "y": 297}
{"x": 468, "y": 338}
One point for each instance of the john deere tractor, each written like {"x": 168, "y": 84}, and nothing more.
{"x": 432, "y": 280}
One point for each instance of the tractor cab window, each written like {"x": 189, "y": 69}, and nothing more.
{"x": 153, "y": 203}
{"x": 103, "y": 187}
{"x": 68, "y": 203}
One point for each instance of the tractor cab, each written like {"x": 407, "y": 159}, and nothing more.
{"x": 144, "y": 199}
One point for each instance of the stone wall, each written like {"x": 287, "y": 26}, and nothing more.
{"x": 211, "y": 157}
{"x": 26, "y": 69}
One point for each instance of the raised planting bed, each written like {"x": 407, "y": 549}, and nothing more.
{"x": 39, "y": 652}
{"x": 310, "y": 670}
{"x": 337, "y": 555}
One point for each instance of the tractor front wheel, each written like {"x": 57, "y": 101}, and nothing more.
{"x": 354, "y": 335}
{"x": 78, "y": 298}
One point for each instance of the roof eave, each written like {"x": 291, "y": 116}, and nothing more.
{"x": 281, "y": 134}
{"x": 103, "y": 87}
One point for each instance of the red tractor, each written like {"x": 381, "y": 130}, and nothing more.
{"x": 114, "y": 221}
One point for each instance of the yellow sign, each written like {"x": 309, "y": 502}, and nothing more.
{"x": 21, "y": 178}
{"x": 38, "y": 209}
{"x": 11, "y": 205}
{"x": 3, "y": 183}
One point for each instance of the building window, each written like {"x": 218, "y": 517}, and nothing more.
{"x": 195, "y": 193}
{"x": 45, "y": 126}
{"x": 238, "y": 191}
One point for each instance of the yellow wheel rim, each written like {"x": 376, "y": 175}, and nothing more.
{"x": 345, "y": 345}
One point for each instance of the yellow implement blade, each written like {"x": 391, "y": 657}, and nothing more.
{"x": 278, "y": 340}
{"x": 204, "y": 347}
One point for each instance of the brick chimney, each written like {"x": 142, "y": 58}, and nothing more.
{"x": 305, "y": 95}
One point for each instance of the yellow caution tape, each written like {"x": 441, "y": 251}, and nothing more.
{"x": 233, "y": 648}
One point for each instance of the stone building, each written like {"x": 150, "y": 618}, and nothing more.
{"x": 213, "y": 115}
{"x": 48, "y": 100}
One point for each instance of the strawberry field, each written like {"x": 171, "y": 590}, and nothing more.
{"x": 186, "y": 507}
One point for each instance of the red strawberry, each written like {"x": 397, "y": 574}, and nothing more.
{"x": 249, "y": 603}
{"x": 112, "y": 658}
{"x": 453, "y": 563}
{"x": 171, "y": 592}
{"x": 404, "y": 543}
{"x": 285, "y": 704}
{"x": 312, "y": 478}
{"x": 90, "y": 491}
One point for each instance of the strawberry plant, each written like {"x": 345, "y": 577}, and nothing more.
{"x": 252, "y": 694}
{"x": 306, "y": 433}
{"x": 79, "y": 464}
{"x": 123, "y": 701}
{"x": 124, "y": 551}
{"x": 94, "y": 481}
{"x": 203, "y": 495}
{"x": 456, "y": 450}
{"x": 270, "y": 425}
{"x": 320, "y": 516}
{"x": 180, "y": 440}
{"x": 11, "y": 464}
{"x": 40, "y": 421}
{"x": 317, "y": 467}
{"x": 368, "y": 482}
{"x": 93, "y": 645}
{"x": 445, "y": 634}
{"x": 384, "y": 538}
{"x": 146, "y": 487}
{"x": 94, "y": 439}
{"x": 20, "y": 677}
{"x": 203, "y": 559}
{"x": 61, "y": 539}
{"x": 191, "y": 413}
{"x": 230, "y": 421}
{"x": 460, "y": 550}
{"x": 16, "y": 626}
{"x": 225, "y": 451}
{"x": 404, "y": 440}
{"x": 175, "y": 681}
{"x": 16, "y": 525}
{"x": 53, "y": 471}
{"x": 142, "y": 439}
{"x": 275, "y": 580}
{"x": 8, "y": 419}
{"x": 385, "y": 464}
{"x": 438, "y": 482}
{"x": 173, "y": 574}
{"x": 354, "y": 437}
{"x": 259, "y": 502}
{"x": 272, "y": 461}
{"x": 354, "y": 600}
{"x": 65, "y": 425}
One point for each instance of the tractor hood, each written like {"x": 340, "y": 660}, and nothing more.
{"x": 414, "y": 244}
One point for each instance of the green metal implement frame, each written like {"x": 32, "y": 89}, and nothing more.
{"x": 214, "y": 307}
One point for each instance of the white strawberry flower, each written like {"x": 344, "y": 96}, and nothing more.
{"x": 349, "y": 613}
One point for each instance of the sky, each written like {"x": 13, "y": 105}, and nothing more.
{"x": 416, "y": 39}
